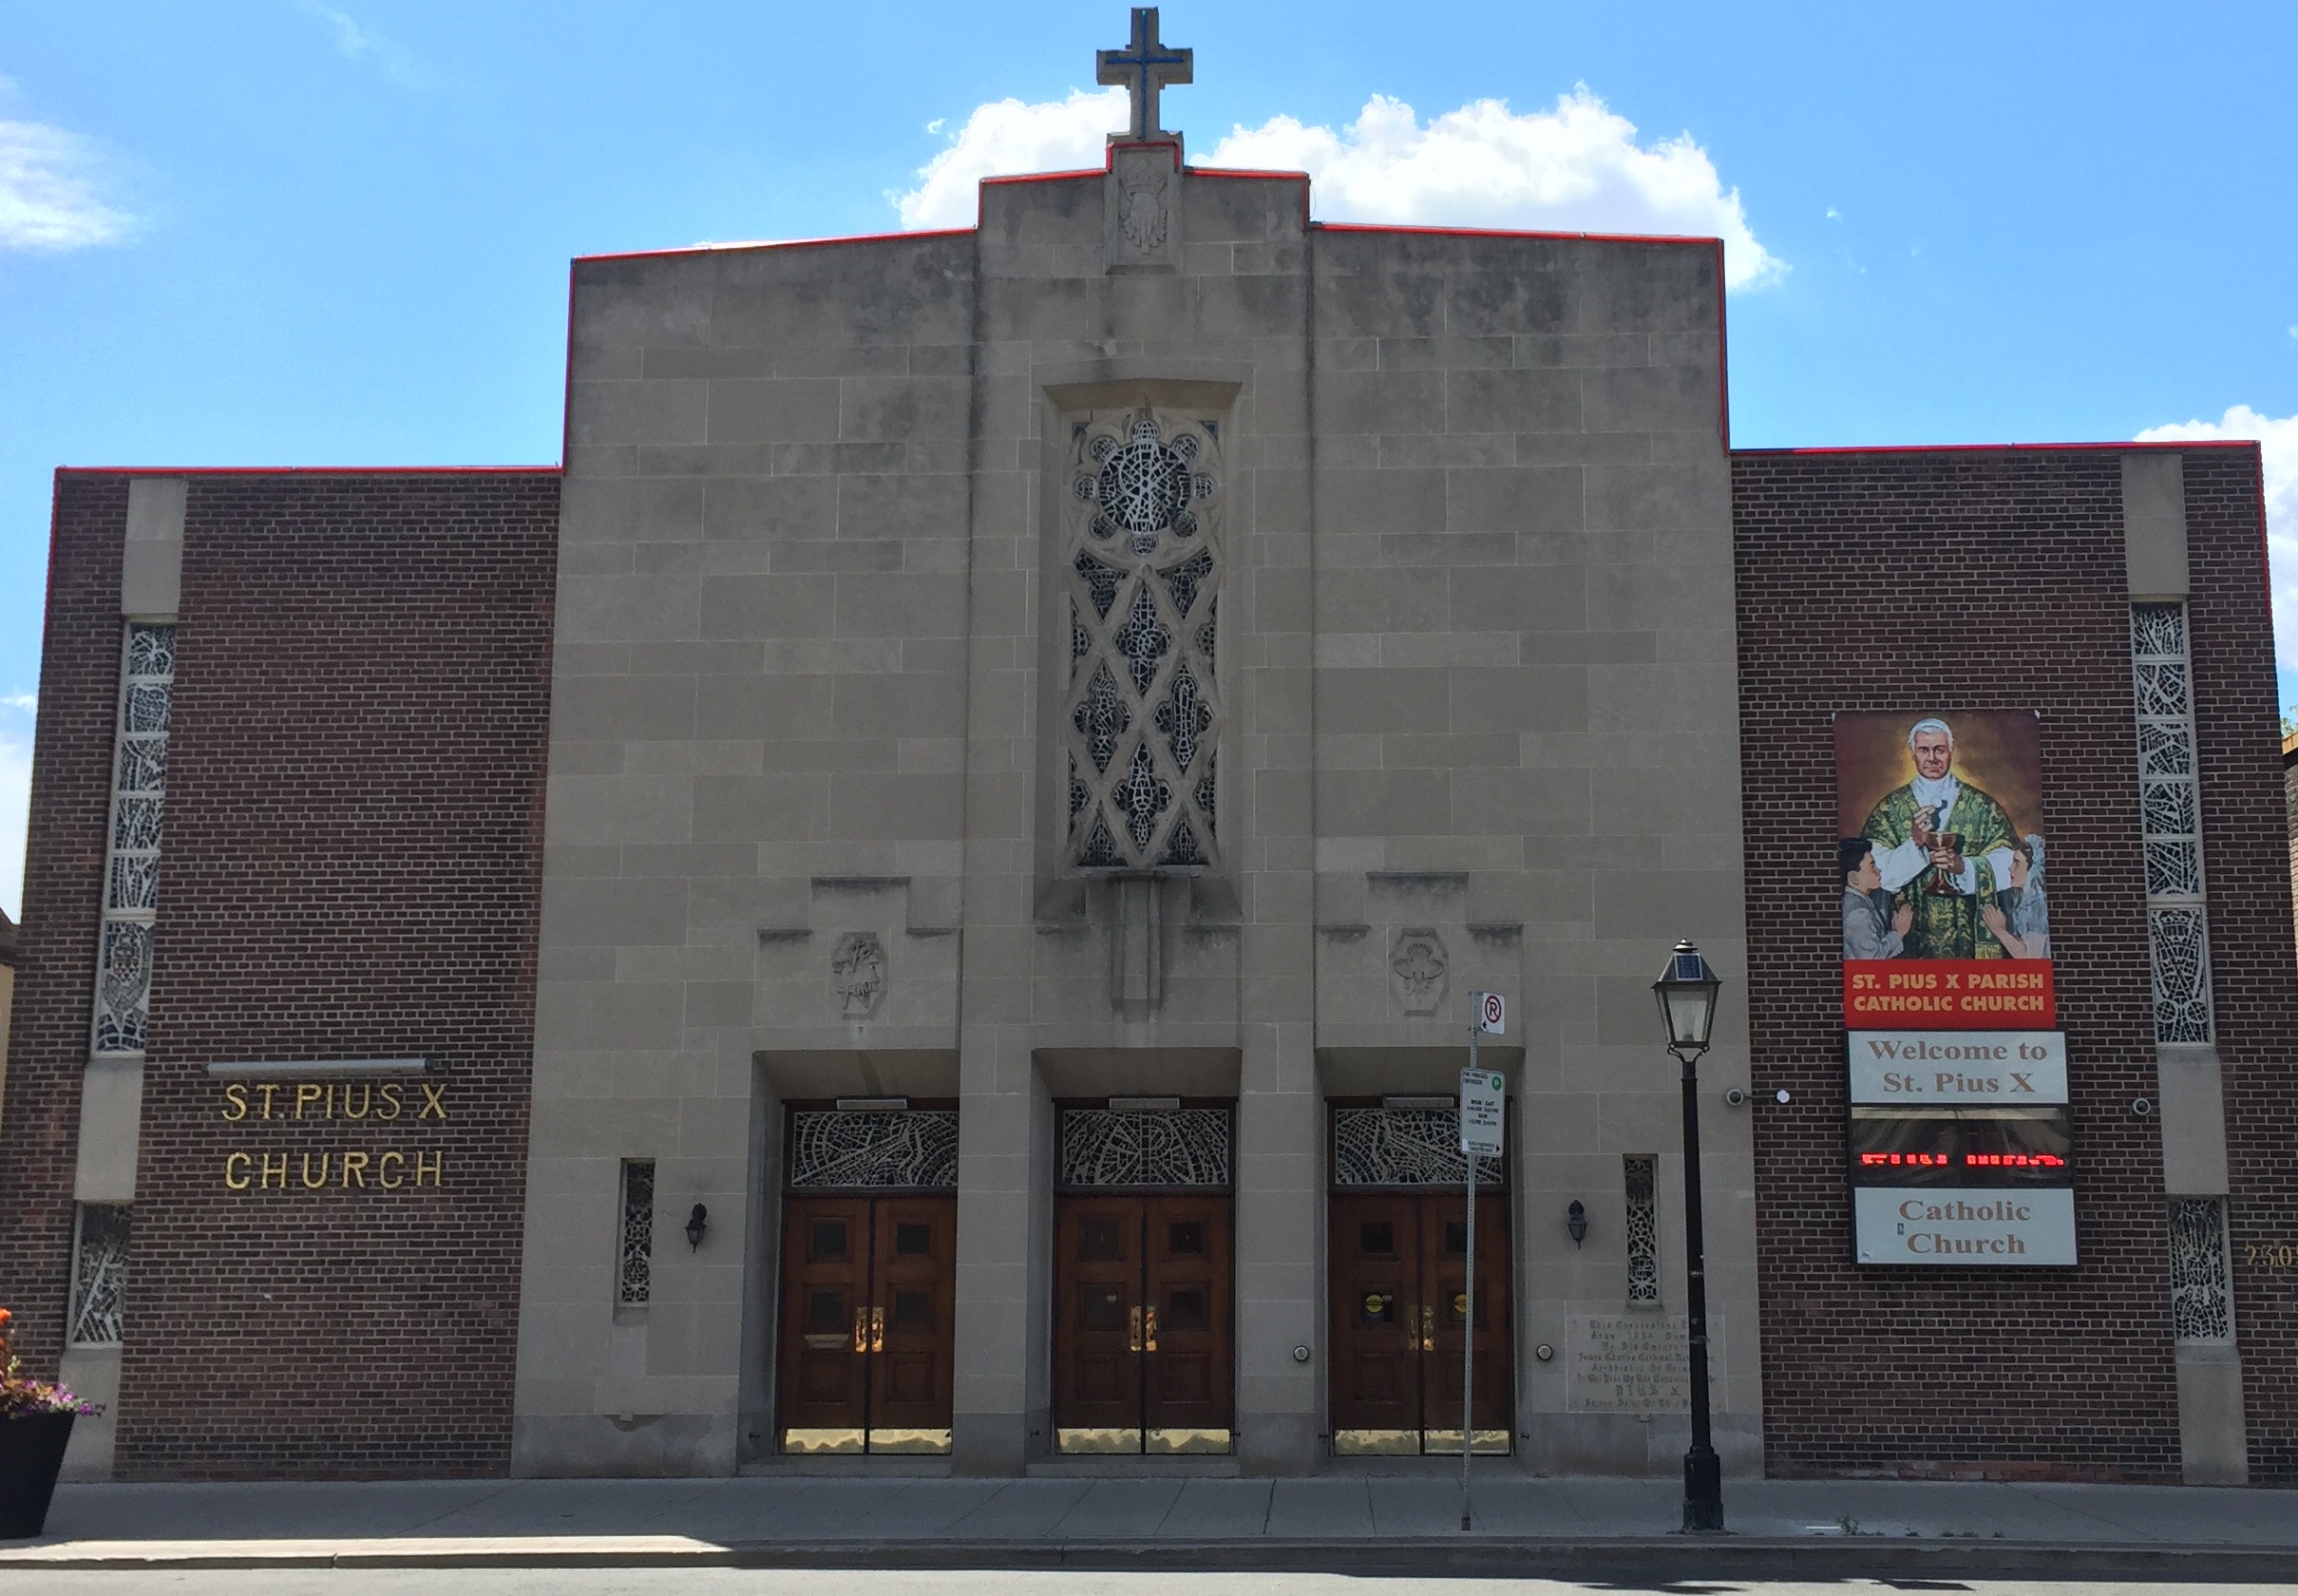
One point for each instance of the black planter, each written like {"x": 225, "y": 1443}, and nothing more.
{"x": 31, "y": 1455}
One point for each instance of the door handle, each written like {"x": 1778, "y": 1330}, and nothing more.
{"x": 861, "y": 1329}
{"x": 1134, "y": 1336}
{"x": 1151, "y": 1323}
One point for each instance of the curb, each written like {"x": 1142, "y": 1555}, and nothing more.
{"x": 1820, "y": 1558}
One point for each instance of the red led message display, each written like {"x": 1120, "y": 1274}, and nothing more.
{"x": 1968, "y": 1147}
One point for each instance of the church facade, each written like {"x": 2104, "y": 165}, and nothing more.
{"x": 976, "y": 802}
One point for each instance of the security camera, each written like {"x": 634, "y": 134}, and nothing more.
{"x": 2141, "y": 1107}
{"x": 1735, "y": 1097}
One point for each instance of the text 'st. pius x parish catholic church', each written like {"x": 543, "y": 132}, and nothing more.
{"x": 917, "y": 898}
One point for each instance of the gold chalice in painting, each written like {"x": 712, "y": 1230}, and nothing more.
{"x": 1941, "y": 884}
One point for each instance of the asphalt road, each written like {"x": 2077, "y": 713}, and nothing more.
{"x": 781, "y": 1582}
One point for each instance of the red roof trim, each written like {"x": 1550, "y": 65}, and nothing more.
{"x": 1044, "y": 177}
{"x": 309, "y": 470}
{"x": 1694, "y": 240}
{"x": 1999, "y": 449}
{"x": 777, "y": 244}
{"x": 1273, "y": 175}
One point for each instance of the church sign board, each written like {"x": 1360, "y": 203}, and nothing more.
{"x": 1959, "y": 1145}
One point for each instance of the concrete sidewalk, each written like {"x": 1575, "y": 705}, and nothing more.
{"x": 1334, "y": 1520}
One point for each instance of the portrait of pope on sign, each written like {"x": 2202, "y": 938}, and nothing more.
{"x": 1944, "y": 851}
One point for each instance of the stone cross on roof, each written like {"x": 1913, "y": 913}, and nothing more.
{"x": 1144, "y": 67}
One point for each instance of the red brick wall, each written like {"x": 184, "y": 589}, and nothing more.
{"x": 1993, "y": 579}
{"x": 350, "y": 870}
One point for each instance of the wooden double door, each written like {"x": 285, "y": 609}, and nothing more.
{"x": 867, "y": 1310}
{"x": 1399, "y": 1312}
{"x": 1143, "y": 1323}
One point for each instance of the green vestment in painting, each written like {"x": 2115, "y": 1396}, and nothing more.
{"x": 1946, "y": 925}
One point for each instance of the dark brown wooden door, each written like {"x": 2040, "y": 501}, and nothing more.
{"x": 1144, "y": 1327}
{"x": 1374, "y": 1243}
{"x": 1398, "y": 1267}
{"x": 1097, "y": 1322}
{"x": 825, "y": 1267}
{"x": 913, "y": 1308}
{"x": 1444, "y": 1268}
{"x": 867, "y": 1313}
{"x": 1188, "y": 1350}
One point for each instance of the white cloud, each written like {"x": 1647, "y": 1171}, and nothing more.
{"x": 48, "y": 197}
{"x": 1005, "y": 138}
{"x": 1575, "y": 169}
{"x": 355, "y": 43}
{"x": 2278, "y": 445}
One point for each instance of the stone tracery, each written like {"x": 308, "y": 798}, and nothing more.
{"x": 1142, "y": 698}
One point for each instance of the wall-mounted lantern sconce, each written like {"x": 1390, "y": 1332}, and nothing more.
{"x": 1575, "y": 1221}
{"x": 697, "y": 1223}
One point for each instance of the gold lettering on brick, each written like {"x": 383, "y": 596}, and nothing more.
{"x": 267, "y": 1088}
{"x": 391, "y": 1102}
{"x": 235, "y": 1101}
{"x": 392, "y": 1183}
{"x": 239, "y": 1182}
{"x": 279, "y": 1172}
{"x": 434, "y": 1100}
{"x": 309, "y": 1183}
{"x": 367, "y": 1094}
{"x": 431, "y": 1167}
{"x": 354, "y": 1170}
{"x": 307, "y": 1092}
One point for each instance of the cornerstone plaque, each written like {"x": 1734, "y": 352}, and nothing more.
{"x": 1637, "y": 1363}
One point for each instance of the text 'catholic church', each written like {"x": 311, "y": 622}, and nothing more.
{"x": 973, "y": 805}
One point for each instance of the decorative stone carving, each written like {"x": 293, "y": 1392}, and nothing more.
{"x": 858, "y": 974}
{"x": 1143, "y": 192}
{"x": 1141, "y": 209}
{"x": 1417, "y": 968}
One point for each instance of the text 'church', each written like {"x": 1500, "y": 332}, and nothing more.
{"x": 920, "y": 897}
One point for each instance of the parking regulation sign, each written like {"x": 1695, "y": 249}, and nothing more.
{"x": 1492, "y": 1013}
{"x": 1483, "y": 1093}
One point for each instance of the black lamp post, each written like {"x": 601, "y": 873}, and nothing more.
{"x": 1686, "y": 990}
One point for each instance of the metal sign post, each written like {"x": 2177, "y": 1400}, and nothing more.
{"x": 1483, "y": 1104}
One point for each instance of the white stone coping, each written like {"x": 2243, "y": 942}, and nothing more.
{"x": 321, "y": 1070}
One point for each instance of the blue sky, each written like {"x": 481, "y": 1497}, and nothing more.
{"x": 281, "y": 232}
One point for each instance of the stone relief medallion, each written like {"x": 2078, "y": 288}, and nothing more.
{"x": 1142, "y": 222}
{"x": 1417, "y": 970}
{"x": 1141, "y": 211}
{"x": 858, "y": 974}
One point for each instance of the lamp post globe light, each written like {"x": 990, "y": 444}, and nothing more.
{"x": 1687, "y": 990}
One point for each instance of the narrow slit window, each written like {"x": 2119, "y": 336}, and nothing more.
{"x": 1642, "y": 1232}
{"x": 2170, "y": 821}
{"x": 2202, "y": 1296}
{"x": 99, "y": 1273}
{"x": 633, "y": 1280}
{"x": 131, "y": 869}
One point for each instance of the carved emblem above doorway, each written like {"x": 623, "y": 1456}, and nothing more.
{"x": 858, "y": 974}
{"x": 1417, "y": 968}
